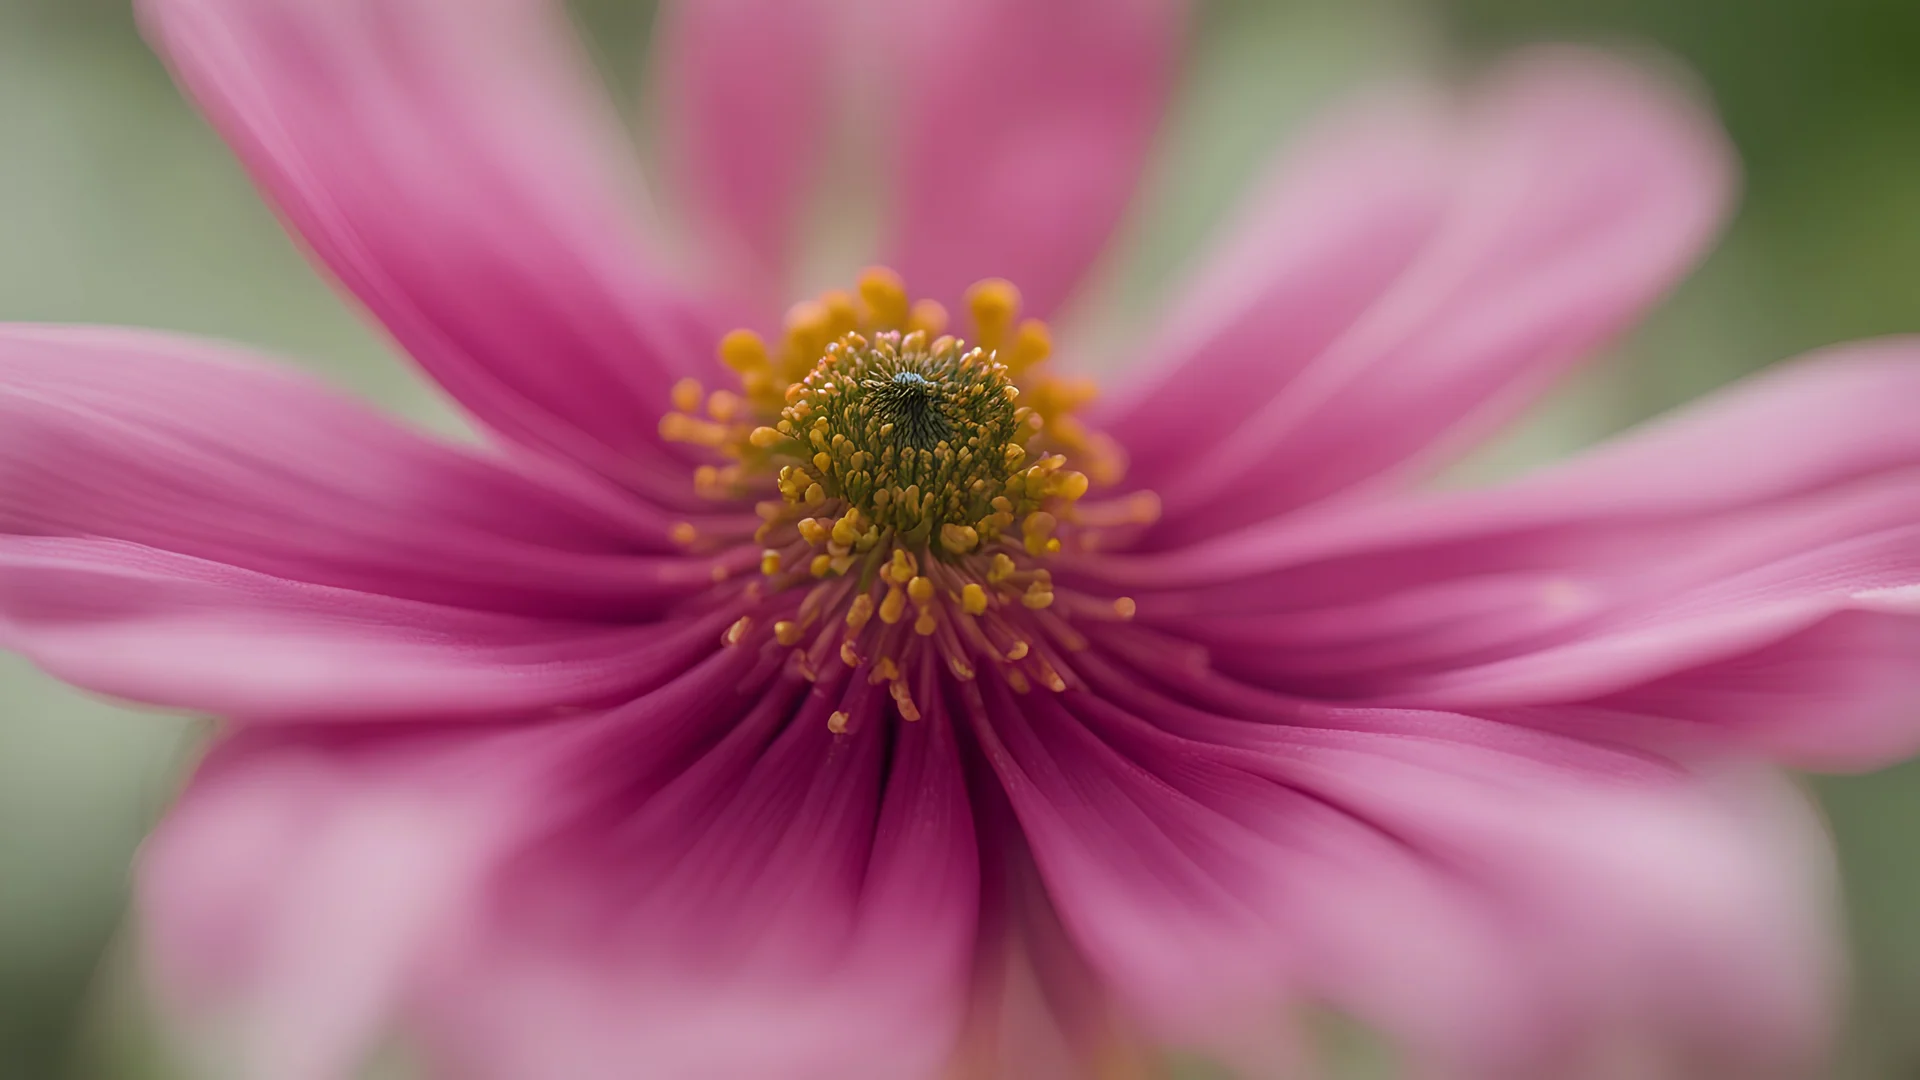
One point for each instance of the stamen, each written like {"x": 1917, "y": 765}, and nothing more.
{"x": 914, "y": 485}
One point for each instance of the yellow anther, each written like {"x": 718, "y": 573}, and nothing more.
{"x": 743, "y": 351}
{"x": 959, "y": 539}
{"x": 885, "y": 670}
{"x": 1125, "y": 607}
{"x": 842, "y": 316}
{"x": 1018, "y": 680}
{"x": 846, "y": 531}
{"x": 849, "y": 655}
{"x": 684, "y": 534}
{"x": 903, "y": 699}
{"x": 1015, "y": 454}
{"x": 686, "y": 395}
{"x": 1017, "y": 651}
{"x": 926, "y": 623}
{"x": 815, "y": 495}
{"x": 766, "y": 438}
{"x": 738, "y": 630}
{"x": 1038, "y": 531}
{"x": 1070, "y": 485}
{"x": 787, "y": 632}
{"x": 812, "y": 531}
{"x": 994, "y": 304}
{"x": 1000, "y": 569}
{"x": 679, "y": 427}
{"x": 893, "y": 605}
{"x": 1037, "y": 597}
{"x": 928, "y": 317}
{"x": 885, "y": 296}
{"x": 903, "y": 567}
{"x": 820, "y": 566}
{"x": 973, "y": 598}
{"x": 861, "y": 611}
{"x": 921, "y": 590}
{"x": 837, "y": 723}
{"x": 960, "y": 668}
{"x": 769, "y": 562}
{"x": 1032, "y": 345}
{"x": 823, "y": 463}
{"x": 724, "y": 406}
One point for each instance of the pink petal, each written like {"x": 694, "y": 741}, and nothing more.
{"x": 1342, "y": 217}
{"x": 788, "y": 904}
{"x": 1502, "y": 904}
{"x": 446, "y": 160}
{"x": 1579, "y": 191}
{"x": 194, "y": 448}
{"x": 183, "y": 633}
{"x": 1753, "y": 547}
{"x": 746, "y": 88}
{"x": 294, "y": 894}
{"x": 1022, "y": 129}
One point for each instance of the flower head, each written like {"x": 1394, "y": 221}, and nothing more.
{"x": 871, "y": 698}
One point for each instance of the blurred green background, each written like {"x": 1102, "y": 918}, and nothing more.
{"x": 117, "y": 205}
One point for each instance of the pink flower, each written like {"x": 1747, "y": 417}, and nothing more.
{"x": 544, "y": 756}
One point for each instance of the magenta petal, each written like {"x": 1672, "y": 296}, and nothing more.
{"x": 444, "y": 159}
{"x": 204, "y": 450}
{"x": 1776, "y": 523}
{"x": 177, "y": 632}
{"x": 1580, "y": 191}
{"x": 1495, "y": 910}
{"x": 296, "y": 895}
{"x": 746, "y": 89}
{"x": 1022, "y": 130}
{"x": 1342, "y": 216}
{"x": 788, "y": 904}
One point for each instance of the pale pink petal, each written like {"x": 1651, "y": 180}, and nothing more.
{"x": 1344, "y": 213}
{"x": 448, "y": 161}
{"x": 289, "y": 901}
{"x": 702, "y": 883}
{"x": 746, "y": 89}
{"x": 183, "y": 633}
{"x": 1499, "y": 902}
{"x": 1779, "y": 522}
{"x": 195, "y": 448}
{"x": 1579, "y": 191}
{"x": 1021, "y": 132}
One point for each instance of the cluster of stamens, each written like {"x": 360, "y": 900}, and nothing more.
{"x": 915, "y": 487}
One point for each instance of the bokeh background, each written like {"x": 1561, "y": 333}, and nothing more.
{"x": 117, "y": 205}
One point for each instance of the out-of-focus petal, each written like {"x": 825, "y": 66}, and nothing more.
{"x": 1760, "y": 546}
{"x": 1021, "y": 133}
{"x": 195, "y": 448}
{"x": 781, "y": 902}
{"x": 183, "y": 633}
{"x": 1579, "y": 190}
{"x": 1343, "y": 215}
{"x": 292, "y": 896}
{"x": 1502, "y": 902}
{"x": 747, "y": 91}
{"x": 445, "y": 159}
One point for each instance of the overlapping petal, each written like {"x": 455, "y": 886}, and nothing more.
{"x": 204, "y": 450}
{"x": 747, "y": 91}
{"x": 1675, "y": 559}
{"x": 444, "y": 160}
{"x": 1573, "y": 193}
{"x": 753, "y": 897}
{"x": 1503, "y": 903}
{"x": 1020, "y": 133}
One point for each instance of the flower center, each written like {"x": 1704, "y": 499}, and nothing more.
{"x": 916, "y": 487}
